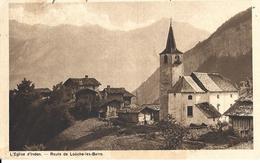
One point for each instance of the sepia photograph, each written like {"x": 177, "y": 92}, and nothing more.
{"x": 130, "y": 75}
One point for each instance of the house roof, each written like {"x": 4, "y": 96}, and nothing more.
{"x": 122, "y": 91}
{"x": 209, "y": 110}
{"x": 205, "y": 82}
{"x": 242, "y": 107}
{"x": 200, "y": 82}
{"x": 82, "y": 82}
{"x": 185, "y": 85}
{"x": 151, "y": 106}
{"x": 223, "y": 83}
{"x": 171, "y": 47}
{"x": 139, "y": 109}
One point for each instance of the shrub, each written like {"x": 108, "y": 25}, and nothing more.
{"x": 172, "y": 132}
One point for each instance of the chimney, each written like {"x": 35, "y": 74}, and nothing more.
{"x": 86, "y": 76}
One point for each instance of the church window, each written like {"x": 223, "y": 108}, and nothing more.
{"x": 231, "y": 95}
{"x": 189, "y": 111}
{"x": 190, "y": 97}
{"x": 165, "y": 59}
{"x": 217, "y": 96}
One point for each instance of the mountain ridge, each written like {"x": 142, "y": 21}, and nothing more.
{"x": 50, "y": 54}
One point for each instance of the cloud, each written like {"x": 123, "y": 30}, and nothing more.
{"x": 76, "y": 14}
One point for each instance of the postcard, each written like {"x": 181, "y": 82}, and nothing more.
{"x": 166, "y": 79}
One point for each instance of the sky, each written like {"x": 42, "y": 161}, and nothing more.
{"x": 207, "y": 15}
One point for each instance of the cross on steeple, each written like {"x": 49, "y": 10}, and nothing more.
{"x": 171, "y": 47}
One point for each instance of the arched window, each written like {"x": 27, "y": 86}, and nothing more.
{"x": 165, "y": 59}
{"x": 218, "y": 106}
{"x": 190, "y": 97}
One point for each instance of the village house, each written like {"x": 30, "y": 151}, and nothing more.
{"x": 76, "y": 84}
{"x": 241, "y": 116}
{"x": 87, "y": 99}
{"x": 145, "y": 114}
{"x": 119, "y": 94}
{"x": 104, "y": 103}
{"x": 197, "y": 98}
{"x": 113, "y": 99}
{"x": 109, "y": 108}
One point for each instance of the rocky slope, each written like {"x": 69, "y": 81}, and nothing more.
{"x": 227, "y": 51}
{"x": 47, "y": 55}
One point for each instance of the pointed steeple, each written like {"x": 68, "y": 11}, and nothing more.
{"x": 171, "y": 44}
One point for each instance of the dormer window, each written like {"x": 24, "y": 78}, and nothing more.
{"x": 165, "y": 59}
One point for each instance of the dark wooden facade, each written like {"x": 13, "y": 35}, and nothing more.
{"x": 109, "y": 109}
{"x": 86, "y": 100}
{"x": 143, "y": 115}
{"x": 243, "y": 125}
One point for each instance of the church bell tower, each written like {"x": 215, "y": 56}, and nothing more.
{"x": 171, "y": 69}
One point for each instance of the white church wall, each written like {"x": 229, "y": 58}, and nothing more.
{"x": 222, "y": 100}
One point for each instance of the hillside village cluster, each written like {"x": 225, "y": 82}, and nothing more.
{"x": 201, "y": 99}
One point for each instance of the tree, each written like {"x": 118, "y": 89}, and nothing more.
{"x": 25, "y": 87}
{"x": 19, "y": 109}
{"x": 172, "y": 132}
{"x": 60, "y": 94}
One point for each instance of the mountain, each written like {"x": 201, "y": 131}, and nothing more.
{"x": 227, "y": 51}
{"x": 51, "y": 54}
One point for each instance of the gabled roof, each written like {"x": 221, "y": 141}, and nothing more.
{"x": 122, "y": 91}
{"x": 82, "y": 82}
{"x": 141, "y": 108}
{"x": 213, "y": 82}
{"x": 199, "y": 82}
{"x": 186, "y": 85}
{"x": 171, "y": 47}
{"x": 151, "y": 106}
{"x": 223, "y": 83}
{"x": 242, "y": 107}
{"x": 205, "y": 82}
{"x": 209, "y": 110}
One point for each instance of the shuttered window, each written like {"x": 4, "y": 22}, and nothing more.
{"x": 189, "y": 111}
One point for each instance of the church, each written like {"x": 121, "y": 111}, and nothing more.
{"x": 199, "y": 98}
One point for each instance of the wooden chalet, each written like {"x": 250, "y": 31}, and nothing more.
{"x": 241, "y": 116}
{"x": 76, "y": 84}
{"x": 146, "y": 114}
{"x": 120, "y": 94}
